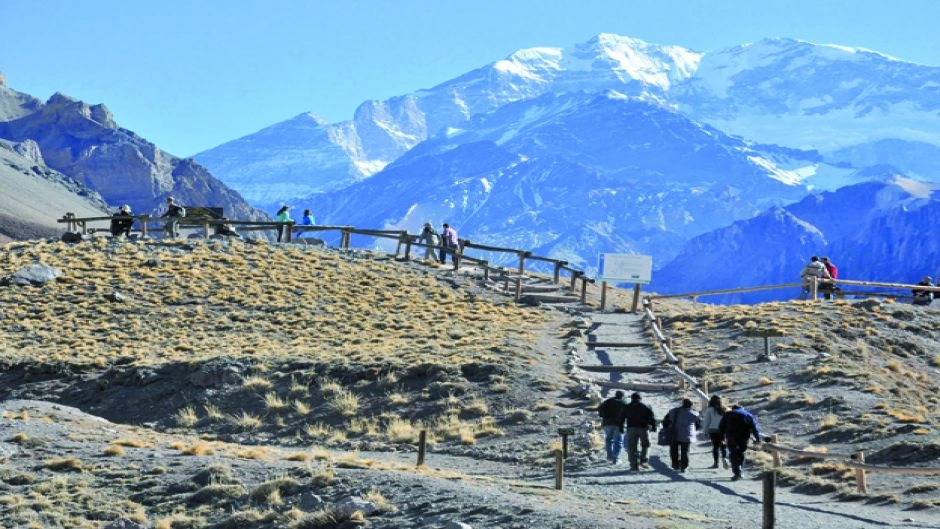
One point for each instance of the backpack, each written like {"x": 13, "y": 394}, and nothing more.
{"x": 182, "y": 211}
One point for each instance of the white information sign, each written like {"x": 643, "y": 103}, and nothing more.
{"x": 625, "y": 268}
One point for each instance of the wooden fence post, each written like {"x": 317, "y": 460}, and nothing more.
{"x": 205, "y": 228}
{"x": 584, "y": 290}
{"x": 860, "y": 479}
{"x": 559, "y": 470}
{"x": 519, "y": 278}
{"x": 422, "y": 446}
{"x": 407, "y": 247}
{"x": 775, "y": 439}
{"x": 458, "y": 253}
{"x": 603, "y": 294}
{"x": 574, "y": 279}
{"x": 814, "y": 288}
{"x": 557, "y": 274}
{"x": 486, "y": 270}
{"x": 636, "y": 298}
{"x": 143, "y": 226}
{"x": 770, "y": 485}
{"x": 680, "y": 363}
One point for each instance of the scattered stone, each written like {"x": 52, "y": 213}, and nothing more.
{"x": 457, "y": 525}
{"x": 350, "y": 504}
{"x": 153, "y": 262}
{"x": 218, "y": 372}
{"x": 72, "y": 237}
{"x": 766, "y": 357}
{"x": 123, "y": 524}
{"x": 310, "y": 502}
{"x": 115, "y": 297}
{"x": 34, "y": 274}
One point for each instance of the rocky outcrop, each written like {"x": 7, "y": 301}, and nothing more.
{"x": 84, "y": 142}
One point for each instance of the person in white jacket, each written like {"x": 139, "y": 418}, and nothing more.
{"x": 711, "y": 418}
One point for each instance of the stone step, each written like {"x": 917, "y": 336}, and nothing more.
{"x": 619, "y": 369}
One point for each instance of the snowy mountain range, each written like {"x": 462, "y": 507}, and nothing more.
{"x": 728, "y": 167}
{"x": 855, "y": 107}
{"x": 618, "y": 145}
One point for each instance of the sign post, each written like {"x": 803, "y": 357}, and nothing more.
{"x": 624, "y": 268}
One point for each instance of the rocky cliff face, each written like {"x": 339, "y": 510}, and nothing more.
{"x": 33, "y": 196}
{"x": 84, "y": 142}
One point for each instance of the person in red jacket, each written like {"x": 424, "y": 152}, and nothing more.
{"x": 829, "y": 288}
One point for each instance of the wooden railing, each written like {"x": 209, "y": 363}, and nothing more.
{"x": 813, "y": 292}
{"x": 405, "y": 241}
{"x": 700, "y": 389}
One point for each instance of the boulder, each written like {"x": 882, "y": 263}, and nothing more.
{"x": 34, "y": 274}
{"x": 218, "y": 372}
{"x": 350, "y": 504}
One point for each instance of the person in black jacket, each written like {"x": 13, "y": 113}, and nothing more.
{"x": 736, "y": 427}
{"x": 611, "y": 411}
{"x": 640, "y": 421}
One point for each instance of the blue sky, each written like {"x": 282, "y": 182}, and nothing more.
{"x": 189, "y": 75}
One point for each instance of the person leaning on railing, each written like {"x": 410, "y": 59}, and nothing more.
{"x": 121, "y": 224}
{"x": 174, "y": 212}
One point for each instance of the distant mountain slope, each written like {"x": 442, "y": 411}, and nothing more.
{"x": 572, "y": 174}
{"x": 33, "y": 196}
{"x": 855, "y": 107}
{"x": 84, "y": 142}
{"x": 306, "y": 156}
{"x": 876, "y": 231}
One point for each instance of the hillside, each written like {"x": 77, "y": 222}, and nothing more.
{"x": 257, "y": 385}
{"x": 35, "y": 196}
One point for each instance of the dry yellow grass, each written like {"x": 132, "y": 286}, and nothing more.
{"x": 295, "y": 312}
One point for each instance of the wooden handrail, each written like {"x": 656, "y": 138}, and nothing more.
{"x": 849, "y": 461}
{"x": 402, "y": 236}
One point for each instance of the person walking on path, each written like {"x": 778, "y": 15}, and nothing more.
{"x": 283, "y": 215}
{"x": 174, "y": 212}
{"x": 430, "y": 239}
{"x": 813, "y": 271}
{"x": 640, "y": 420}
{"x": 612, "y": 415}
{"x": 449, "y": 242}
{"x": 711, "y": 418}
{"x": 735, "y": 428}
{"x": 684, "y": 421}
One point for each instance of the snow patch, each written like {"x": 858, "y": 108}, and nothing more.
{"x": 787, "y": 177}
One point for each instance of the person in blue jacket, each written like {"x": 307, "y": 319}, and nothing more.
{"x": 736, "y": 427}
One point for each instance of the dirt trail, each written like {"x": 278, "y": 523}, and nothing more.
{"x": 701, "y": 490}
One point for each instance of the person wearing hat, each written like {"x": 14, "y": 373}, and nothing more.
{"x": 120, "y": 223}
{"x": 430, "y": 239}
{"x": 640, "y": 420}
{"x": 923, "y": 297}
{"x": 684, "y": 422}
{"x": 611, "y": 412}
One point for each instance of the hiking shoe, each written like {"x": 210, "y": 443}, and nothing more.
{"x": 635, "y": 469}
{"x": 610, "y": 457}
{"x": 735, "y": 477}
{"x": 714, "y": 466}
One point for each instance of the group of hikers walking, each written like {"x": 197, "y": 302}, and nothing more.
{"x": 729, "y": 431}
